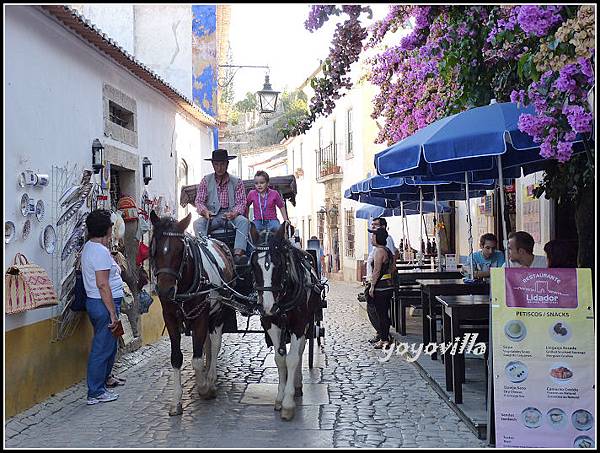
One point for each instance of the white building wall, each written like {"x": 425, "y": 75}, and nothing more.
{"x": 160, "y": 36}
{"x": 116, "y": 20}
{"x": 53, "y": 119}
{"x": 546, "y": 212}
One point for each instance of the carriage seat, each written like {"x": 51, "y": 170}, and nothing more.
{"x": 226, "y": 236}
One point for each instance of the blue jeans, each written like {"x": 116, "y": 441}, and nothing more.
{"x": 242, "y": 227}
{"x": 261, "y": 225}
{"x": 272, "y": 225}
{"x": 104, "y": 346}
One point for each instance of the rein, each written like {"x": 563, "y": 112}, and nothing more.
{"x": 292, "y": 279}
{"x": 191, "y": 254}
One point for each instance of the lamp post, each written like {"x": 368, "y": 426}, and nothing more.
{"x": 267, "y": 97}
{"x": 97, "y": 156}
{"x": 146, "y": 170}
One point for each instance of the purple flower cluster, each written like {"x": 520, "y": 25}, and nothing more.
{"x": 397, "y": 16}
{"x": 507, "y": 21}
{"x": 538, "y": 20}
{"x": 518, "y": 97}
{"x": 578, "y": 118}
{"x": 536, "y": 126}
{"x": 566, "y": 79}
{"x": 586, "y": 69}
{"x": 419, "y": 34}
{"x": 318, "y": 15}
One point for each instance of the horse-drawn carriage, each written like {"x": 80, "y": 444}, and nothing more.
{"x": 202, "y": 289}
{"x": 245, "y": 299}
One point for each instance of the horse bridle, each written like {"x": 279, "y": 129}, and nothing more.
{"x": 167, "y": 270}
{"x": 268, "y": 263}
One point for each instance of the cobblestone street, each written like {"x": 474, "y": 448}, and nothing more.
{"x": 350, "y": 399}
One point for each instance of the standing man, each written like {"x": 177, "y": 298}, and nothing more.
{"x": 377, "y": 223}
{"x": 221, "y": 198}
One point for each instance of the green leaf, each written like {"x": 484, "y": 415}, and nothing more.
{"x": 554, "y": 44}
{"x": 520, "y": 67}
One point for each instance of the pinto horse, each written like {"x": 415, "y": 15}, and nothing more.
{"x": 289, "y": 294}
{"x": 189, "y": 271}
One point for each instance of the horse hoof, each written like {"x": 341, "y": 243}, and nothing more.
{"x": 211, "y": 394}
{"x": 298, "y": 392}
{"x": 287, "y": 413}
{"x": 176, "y": 410}
{"x": 277, "y": 405}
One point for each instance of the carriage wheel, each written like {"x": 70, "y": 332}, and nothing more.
{"x": 311, "y": 344}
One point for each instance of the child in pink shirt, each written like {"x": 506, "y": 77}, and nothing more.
{"x": 265, "y": 201}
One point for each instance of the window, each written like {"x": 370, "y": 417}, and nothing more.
{"x": 320, "y": 138}
{"x": 349, "y": 144}
{"x": 349, "y": 232}
{"x": 120, "y": 116}
{"x": 301, "y": 155}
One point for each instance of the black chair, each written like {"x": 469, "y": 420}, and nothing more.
{"x": 481, "y": 328}
{"x": 405, "y": 296}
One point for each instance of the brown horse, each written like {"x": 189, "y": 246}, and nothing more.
{"x": 189, "y": 272}
{"x": 289, "y": 294}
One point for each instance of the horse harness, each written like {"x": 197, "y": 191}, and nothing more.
{"x": 292, "y": 278}
{"x": 191, "y": 251}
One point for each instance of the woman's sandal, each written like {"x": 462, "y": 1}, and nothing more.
{"x": 114, "y": 381}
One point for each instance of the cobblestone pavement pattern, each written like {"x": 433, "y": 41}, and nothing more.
{"x": 367, "y": 403}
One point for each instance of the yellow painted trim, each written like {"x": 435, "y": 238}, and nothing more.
{"x": 36, "y": 368}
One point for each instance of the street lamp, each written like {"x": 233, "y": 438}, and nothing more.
{"x": 267, "y": 97}
{"x": 146, "y": 170}
{"x": 97, "y": 156}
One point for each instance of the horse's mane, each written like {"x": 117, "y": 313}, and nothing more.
{"x": 164, "y": 224}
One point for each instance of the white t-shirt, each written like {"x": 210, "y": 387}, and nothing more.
{"x": 96, "y": 257}
{"x": 538, "y": 262}
{"x": 389, "y": 245}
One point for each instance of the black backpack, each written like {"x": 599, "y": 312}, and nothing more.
{"x": 79, "y": 292}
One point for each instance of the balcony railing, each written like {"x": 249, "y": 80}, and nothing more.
{"x": 327, "y": 162}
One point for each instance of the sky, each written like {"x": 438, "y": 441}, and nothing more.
{"x": 274, "y": 35}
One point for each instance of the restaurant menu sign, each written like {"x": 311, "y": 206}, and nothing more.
{"x": 544, "y": 357}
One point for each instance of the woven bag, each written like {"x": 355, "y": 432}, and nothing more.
{"x": 27, "y": 286}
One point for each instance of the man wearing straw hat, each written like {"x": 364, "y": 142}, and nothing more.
{"x": 220, "y": 198}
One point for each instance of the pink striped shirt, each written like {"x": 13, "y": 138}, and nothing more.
{"x": 223, "y": 194}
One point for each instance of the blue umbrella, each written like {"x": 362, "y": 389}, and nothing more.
{"x": 483, "y": 142}
{"x": 406, "y": 188}
{"x": 367, "y": 211}
{"x": 467, "y": 141}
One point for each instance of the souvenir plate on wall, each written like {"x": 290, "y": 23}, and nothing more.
{"x": 40, "y": 210}
{"x": 48, "y": 239}
{"x": 25, "y": 205}
{"x": 9, "y": 231}
{"x": 26, "y": 229}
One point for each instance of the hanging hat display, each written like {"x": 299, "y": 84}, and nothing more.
{"x": 127, "y": 206}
